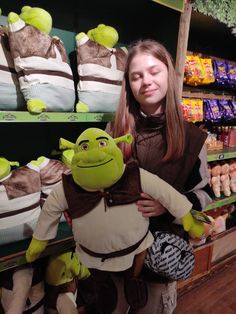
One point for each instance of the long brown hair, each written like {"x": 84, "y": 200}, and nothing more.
{"x": 127, "y": 109}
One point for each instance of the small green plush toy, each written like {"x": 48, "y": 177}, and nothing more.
{"x": 11, "y": 96}
{"x": 63, "y": 275}
{"x": 100, "y": 68}
{"x": 100, "y": 196}
{"x": 41, "y": 62}
{"x": 19, "y": 200}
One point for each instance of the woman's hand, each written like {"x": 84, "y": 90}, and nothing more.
{"x": 67, "y": 218}
{"x": 149, "y": 207}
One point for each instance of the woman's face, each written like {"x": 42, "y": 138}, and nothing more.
{"x": 148, "y": 78}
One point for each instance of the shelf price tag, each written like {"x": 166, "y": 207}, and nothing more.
{"x": 221, "y": 156}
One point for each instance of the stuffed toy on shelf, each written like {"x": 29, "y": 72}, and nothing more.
{"x": 51, "y": 171}
{"x": 23, "y": 289}
{"x": 100, "y": 196}
{"x": 100, "y": 69}
{"x": 218, "y": 225}
{"x": 41, "y": 62}
{"x": 215, "y": 179}
{"x": 20, "y": 192}
{"x": 225, "y": 179}
{"x": 11, "y": 97}
{"x": 63, "y": 275}
{"x": 232, "y": 175}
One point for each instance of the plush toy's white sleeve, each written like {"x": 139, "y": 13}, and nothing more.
{"x": 19, "y": 203}
{"x": 66, "y": 303}
{"x": 101, "y": 71}
{"x": 42, "y": 66}
{"x": 50, "y": 215}
{"x": 177, "y": 204}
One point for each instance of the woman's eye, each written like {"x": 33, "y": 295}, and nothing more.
{"x": 84, "y": 146}
{"x": 102, "y": 144}
{"x": 155, "y": 73}
{"x": 135, "y": 77}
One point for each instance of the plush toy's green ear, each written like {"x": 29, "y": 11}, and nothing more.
{"x": 68, "y": 151}
{"x": 25, "y": 8}
{"x": 14, "y": 163}
{"x": 127, "y": 138}
{"x": 65, "y": 144}
{"x": 66, "y": 157}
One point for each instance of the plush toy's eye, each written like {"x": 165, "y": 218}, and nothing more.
{"x": 102, "y": 144}
{"x": 84, "y": 146}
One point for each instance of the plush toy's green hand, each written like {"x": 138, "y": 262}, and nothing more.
{"x": 39, "y": 161}
{"x": 79, "y": 36}
{"x": 35, "y": 248}
{"x": 81, "y": 107}
{"x": 194, "y": 227}
{"x": 35, "y": 105}
{"x": 12, "y": 17}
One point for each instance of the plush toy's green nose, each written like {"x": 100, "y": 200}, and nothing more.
{"x": 92, "y": 156}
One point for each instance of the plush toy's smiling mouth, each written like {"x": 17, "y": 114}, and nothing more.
{"x": 95, "y": 165}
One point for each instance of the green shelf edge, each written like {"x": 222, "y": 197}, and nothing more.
{"x": 221, "y": 202}
{"x": 21, "y": 116}
{"x": 226, "y": 153}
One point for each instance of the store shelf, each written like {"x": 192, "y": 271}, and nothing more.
{"x": 221, "y": 202}
{"x": 23, "y": 116}
{"x": 13, "y": 254}
{"x": 225, "y": 153}
{"x": 206, "y": 95}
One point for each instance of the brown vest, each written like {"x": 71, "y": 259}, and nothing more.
{"x": 126, "y": 190}
{"x": 150, "y": 143}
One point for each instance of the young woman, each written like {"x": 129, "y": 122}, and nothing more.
{"x": 165, "y": 145}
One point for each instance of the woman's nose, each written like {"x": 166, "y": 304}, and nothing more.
{"x": 147, "y": 80}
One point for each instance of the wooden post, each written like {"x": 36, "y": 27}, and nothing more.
{"x": 182, "y": 45}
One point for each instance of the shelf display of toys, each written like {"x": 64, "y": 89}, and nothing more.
{"x": 222, "y": 178}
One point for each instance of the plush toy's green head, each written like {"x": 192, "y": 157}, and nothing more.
{"x": 104, "y": 35}
{"x": 63, "y": 268}
{"x": 37, "y": 17}
{"x": 97, "y": 162}
{"x": 5, "y": 167}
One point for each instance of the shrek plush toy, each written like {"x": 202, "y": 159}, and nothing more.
{"x": 63, "y": 275}
{"x": 41, "y": 62}
{"x": 100, "y": 69}
{"x": 100, "y": 195}
{"x": 20, "y": 192}
{"x": 11, "y": 96}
